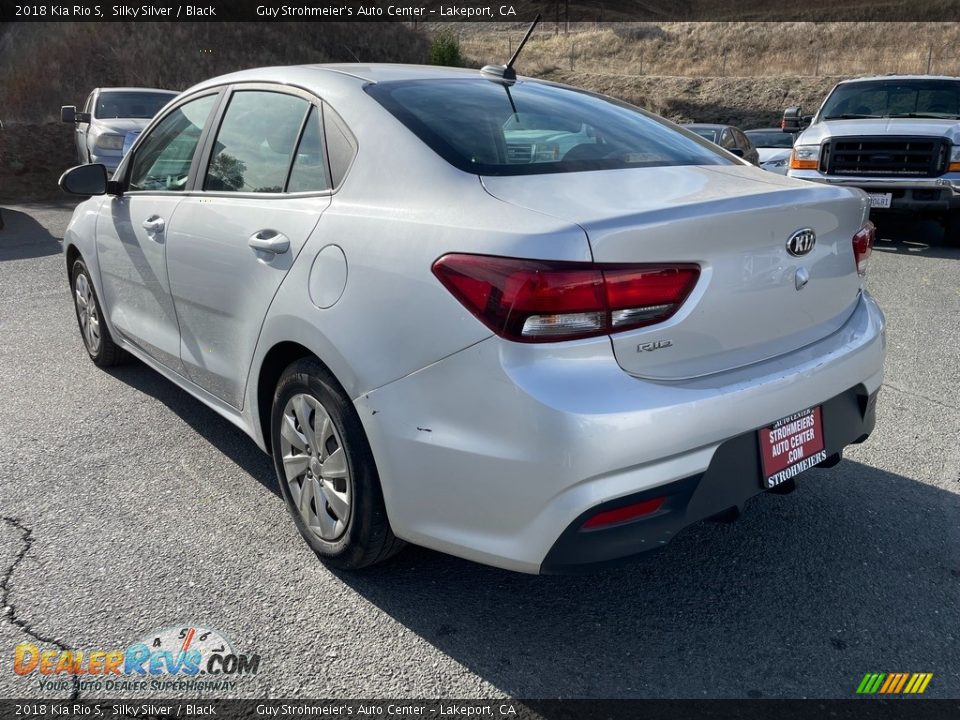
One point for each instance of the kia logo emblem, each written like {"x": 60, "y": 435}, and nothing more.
{"x": 801, "y": 242}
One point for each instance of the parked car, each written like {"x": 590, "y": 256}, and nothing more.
{"x": 773, "y": 148}
{"x": 107, "y": 115}
{"x": 730, "y": 138}
{"x": 538, "y": 359}
{"x": 897, "y": 137}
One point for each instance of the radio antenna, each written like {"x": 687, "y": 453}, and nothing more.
{"x": 506, "y": 72}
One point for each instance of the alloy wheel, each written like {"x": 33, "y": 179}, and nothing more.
{"x": 87, "y": 312}
{"x": 315, "y": 467}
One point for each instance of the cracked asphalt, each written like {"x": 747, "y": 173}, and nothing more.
{"x": 129, "y": 507}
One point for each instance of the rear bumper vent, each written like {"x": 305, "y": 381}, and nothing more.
{"x": 885, "y": 156}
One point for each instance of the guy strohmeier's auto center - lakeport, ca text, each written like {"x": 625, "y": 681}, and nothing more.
{"x": 160, "y": 12}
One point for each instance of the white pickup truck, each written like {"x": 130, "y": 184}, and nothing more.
{"x": 897, "y": 137}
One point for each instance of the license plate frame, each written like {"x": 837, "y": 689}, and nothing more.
{"x": 880, "y": 200}
{"x": 790, "y": 446}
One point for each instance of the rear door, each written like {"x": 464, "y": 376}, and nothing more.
{"x": 260, "y": 192}
{"x": 133, "y": 229}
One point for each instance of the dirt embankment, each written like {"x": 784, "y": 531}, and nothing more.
{"x": 32, "y": 157}
{"x": 747, "y": 102}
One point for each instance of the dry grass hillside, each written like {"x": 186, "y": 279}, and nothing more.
{"x": 46, "y": 65}
{"x": 710, "y": 49}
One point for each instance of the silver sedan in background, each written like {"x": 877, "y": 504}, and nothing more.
{"x": 107, "y": 116}
{"x": 505, "y": 319}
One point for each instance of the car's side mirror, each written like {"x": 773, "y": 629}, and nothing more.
{"x": 792, "y": 120}
{"x": 736, "y": 151}
{"x": 85, "y": 180}
{"x": 69, "y": 114}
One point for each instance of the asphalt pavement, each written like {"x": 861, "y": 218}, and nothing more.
{"x": 128, "y": 507}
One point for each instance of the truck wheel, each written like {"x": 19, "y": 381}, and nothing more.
{"x": 951, "y": 230}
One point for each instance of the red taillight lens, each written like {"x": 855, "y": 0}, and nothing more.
{"x": 543, "y": 301}
{"x": 863, "y": 246}
{"x": 624, "y": 514}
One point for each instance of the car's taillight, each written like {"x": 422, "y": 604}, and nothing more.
{"x": 546, "y": 301}
{"x": 863, "y": 246}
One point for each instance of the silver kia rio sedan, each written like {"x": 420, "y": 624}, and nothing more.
{"x": 506, "y": 319}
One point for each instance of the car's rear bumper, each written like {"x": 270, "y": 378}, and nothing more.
{"x": 732, "y": 478}
{"x": 495, "y": 452}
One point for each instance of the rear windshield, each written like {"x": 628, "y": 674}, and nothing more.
{"x": 706, "y": 133}
{"x": 489, "y": 128}
{"x": 141, "y": 105}
{"x": 893, "y": 98}
{"x": 770, "y": 138}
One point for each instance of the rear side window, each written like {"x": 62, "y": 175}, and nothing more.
{"x": 309, "y": 172}
{"x": 340, "y": 145}
{"x": 255, "y": 144}
{"x": 490, "y": 128}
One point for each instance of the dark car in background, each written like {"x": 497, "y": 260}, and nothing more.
{"x": 728, "y": 137}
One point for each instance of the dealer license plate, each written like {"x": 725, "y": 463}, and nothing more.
{"x": 880, "y": 200}
{"x": 791, "y": 445}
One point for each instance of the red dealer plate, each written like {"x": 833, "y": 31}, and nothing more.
{"x": 790, "y": 446}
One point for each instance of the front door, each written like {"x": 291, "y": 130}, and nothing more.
{"x": 133, "y": 229}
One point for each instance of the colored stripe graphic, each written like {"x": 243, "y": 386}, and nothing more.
{"x": 894, "y": 683}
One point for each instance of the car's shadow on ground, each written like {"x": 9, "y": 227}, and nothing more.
{"x": 22, "y": 237}
{"x": 218, "y": 431}
{"x": 912, "y": 236}
{"x": 800, "y": 585}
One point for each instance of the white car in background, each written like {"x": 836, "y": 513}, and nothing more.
{"x": 107, "y": 116}
{"x": 774, "y": 147}
{"x": 540, "y": 348}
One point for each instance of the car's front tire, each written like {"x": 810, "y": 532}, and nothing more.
{"x": 96, "y": 336}
{"x": 326, "y": 470}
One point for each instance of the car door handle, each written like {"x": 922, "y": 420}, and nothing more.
{"x": 269, "y": 241}
{"x": 153, "y": 224}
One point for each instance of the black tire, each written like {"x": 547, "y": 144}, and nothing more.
{"x": 105, "y": 352}
{"x": 366, "y": 538}
{"x": 951, "y": 229}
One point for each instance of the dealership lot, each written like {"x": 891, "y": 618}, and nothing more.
{"x": 129, "y": 507}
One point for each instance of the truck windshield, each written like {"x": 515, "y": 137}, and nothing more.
{"x": 488, "y": 128}
{"x": 893, "y": 98}
{"x": 140, "y": 105}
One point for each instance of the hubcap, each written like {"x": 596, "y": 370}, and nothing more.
{"x": 87, "y": 312}
{"x": 315, "y": 467}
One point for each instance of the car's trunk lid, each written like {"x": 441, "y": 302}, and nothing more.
{"x": 734, "y": 222}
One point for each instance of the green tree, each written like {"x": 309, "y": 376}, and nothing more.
{"x": 445, "y": 50}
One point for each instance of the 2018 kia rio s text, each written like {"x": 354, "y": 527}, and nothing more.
{"x": 506, "y": 319}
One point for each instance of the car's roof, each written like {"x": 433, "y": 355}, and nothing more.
{"x": 765, "y": 129}
{"x": 137, "y": 89}
{"x": 707, "y": 126}
{"x": 893, "y": 76}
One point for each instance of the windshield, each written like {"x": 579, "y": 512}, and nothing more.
{"x": 770, "y": 138}
{"x": 489, "y": 128}
{"x": 706, "y": 133}
{"x": 142, "y": 105}
{"x": 893, "y": 98}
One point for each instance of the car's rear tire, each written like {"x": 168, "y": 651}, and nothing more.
{"x": 326, "y": 470}
{"x": 951, "y": 229}
{"x": 94, "y": 332}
